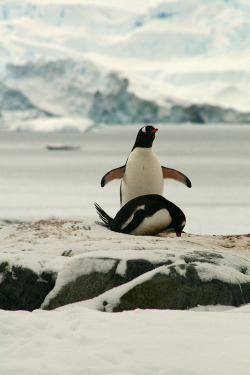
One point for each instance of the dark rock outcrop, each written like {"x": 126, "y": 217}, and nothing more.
{"x": 197, "y": 280}
{"x": 177, "y": 292}
{"x": 93, "y": 284}
{"x": 23, "y": 289}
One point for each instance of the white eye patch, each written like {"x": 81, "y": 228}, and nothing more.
{"x": 144, "y": 129}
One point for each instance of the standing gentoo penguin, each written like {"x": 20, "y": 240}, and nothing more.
{"x": 142, "y": 174}
{"x": 145, "y": 215}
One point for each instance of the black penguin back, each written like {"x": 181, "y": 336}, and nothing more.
{"x": 132, "y": 214}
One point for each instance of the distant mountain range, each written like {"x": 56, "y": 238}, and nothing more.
{"x": 137, "y": 62}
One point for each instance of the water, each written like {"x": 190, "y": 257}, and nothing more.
{"x": 36, "y": 183}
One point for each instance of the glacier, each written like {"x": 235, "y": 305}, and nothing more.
{"x": 139, "y": 62}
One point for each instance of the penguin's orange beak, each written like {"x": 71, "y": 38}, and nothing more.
{"x": 154, "y": 130}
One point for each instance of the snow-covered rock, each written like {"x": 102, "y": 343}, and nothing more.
{"x": 54, "y": 263}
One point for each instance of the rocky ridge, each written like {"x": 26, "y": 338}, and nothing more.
{"x": 52, "y": 263}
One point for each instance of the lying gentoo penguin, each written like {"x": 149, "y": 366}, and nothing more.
{"x": 142, "y": 174}
{"x": 145, "y": 215}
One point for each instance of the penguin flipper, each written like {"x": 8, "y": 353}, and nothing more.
{"x": 136, "y": 220}
{"x": 176, "y": 175}
{"x": 116, "y": 173}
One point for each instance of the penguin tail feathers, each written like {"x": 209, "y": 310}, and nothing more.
{"x": 103, "y": 215}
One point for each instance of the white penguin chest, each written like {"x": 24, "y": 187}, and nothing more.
{"x": 153, "y": 224}
{"x": 143, "y": 175}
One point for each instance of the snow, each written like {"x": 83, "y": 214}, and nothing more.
{"x": 78, "y": 339}
{"x": 170, "y": 51}
{"x": 55, "y": 124}
{"x": 75, "y": 340}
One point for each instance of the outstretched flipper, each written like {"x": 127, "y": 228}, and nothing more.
{"x": 176, "y": 175}
{"x": 116, "y": 173}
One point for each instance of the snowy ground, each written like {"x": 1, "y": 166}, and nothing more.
{"x": 36, "y": 183}
{"x": 76, "y": 341}
{"x": 49, "y": 245}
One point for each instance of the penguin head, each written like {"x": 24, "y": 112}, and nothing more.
{"x": 178, "y": 227}
{"x": 145, "y": 137}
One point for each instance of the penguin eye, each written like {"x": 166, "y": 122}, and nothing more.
{"x": 144, "y": 130}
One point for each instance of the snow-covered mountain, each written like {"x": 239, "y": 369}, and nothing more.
{"x": 125, "y": 62}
